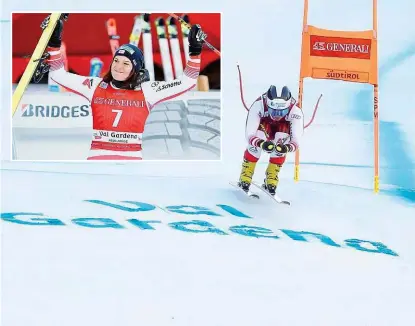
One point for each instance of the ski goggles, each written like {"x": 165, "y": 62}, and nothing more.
{"x": 278, "y": 107}
{"x": 278, "y": 113}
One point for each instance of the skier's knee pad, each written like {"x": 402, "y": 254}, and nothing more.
{"x": 252, "y": 154}
{"x": 277, "y": 160}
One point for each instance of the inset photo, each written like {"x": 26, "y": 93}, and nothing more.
{"x": 116, "y": 86}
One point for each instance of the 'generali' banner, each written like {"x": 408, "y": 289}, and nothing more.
{"x": 340, "y": 47}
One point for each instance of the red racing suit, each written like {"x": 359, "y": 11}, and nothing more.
{"x": 259, "y": 125}
{"x": 119, "y": 115}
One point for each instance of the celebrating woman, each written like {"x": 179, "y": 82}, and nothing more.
{"x": 122, "y": 100}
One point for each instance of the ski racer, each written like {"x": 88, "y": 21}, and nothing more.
{"x": 275, "y": 125}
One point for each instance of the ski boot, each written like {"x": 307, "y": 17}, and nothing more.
{"x": 271, "y": 180}
{"x": 247, "y": 172}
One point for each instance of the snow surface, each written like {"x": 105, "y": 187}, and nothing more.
{"x": 131, "y": 271}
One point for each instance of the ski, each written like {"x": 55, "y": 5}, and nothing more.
{"x": 147, "y": 44}
{"x": 112, "y": 34}
{"x": 275, "y": 197}
{"x": 164, "y": 49}
{"x": 175, "y": 46}
{"x": 37, "y": 59}
{"x": 185, "y": 33}
{"x": 248, "y": 194}
{"x": 136, "y": 31}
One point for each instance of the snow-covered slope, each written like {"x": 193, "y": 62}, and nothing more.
{"x": 159, "y": 243}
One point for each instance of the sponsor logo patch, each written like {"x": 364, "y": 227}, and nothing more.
{"x": 340, "y": 47}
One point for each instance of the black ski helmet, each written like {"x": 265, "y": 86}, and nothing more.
{"x": 278, "y": 104}
{"x": 272, "y": 93}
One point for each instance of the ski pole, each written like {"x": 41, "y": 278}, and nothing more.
{"x": 314, "y": 112}
{"x": 34, "y": 60}
{"x": 210, "y": 46}
{"x": 246, "y": 107}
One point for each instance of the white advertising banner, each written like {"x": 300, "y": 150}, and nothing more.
{"x": 58, "y": 126}
{"x": 52, "y": 110}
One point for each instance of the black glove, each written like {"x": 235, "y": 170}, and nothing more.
{"x": 282, "y": 149}
{"x": 143, "y": 76}
{"x": 196, "y": 38}
{"x": 267, "y": 146}
{"x": 140, "y": 77}
{"x": 55, "y": 40}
